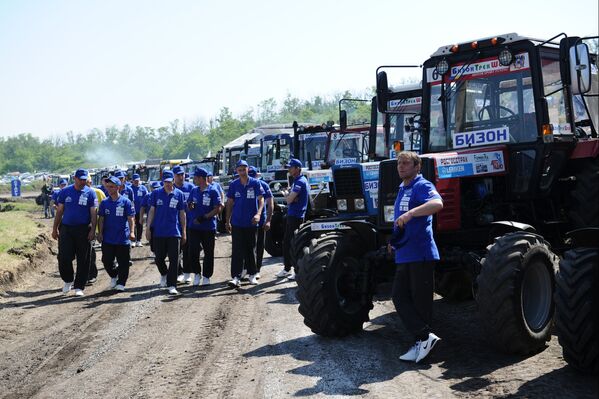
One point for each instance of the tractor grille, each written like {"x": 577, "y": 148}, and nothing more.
{"x": 348, "y": 182}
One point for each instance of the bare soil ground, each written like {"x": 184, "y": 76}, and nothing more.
{"x": 248, "y": 343}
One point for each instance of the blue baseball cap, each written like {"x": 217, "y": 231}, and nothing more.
{"x": 119, "y": 174}
{"x": 136, "y": 176}
{"x": 294, "y": 163}
{"x": 81, "y": 174}
{"x": 155, "y": 184}
{"x": 114, "y": 180}
{"x": 62, "y": 181}
{"x": 252, "y": 172}
{"x": 178, "y": 170}
{"x": 209, "y": 174}
{"x": 167, "y": 175}
{"x": 240, "y": 163}
{"x": 201, "y": 172}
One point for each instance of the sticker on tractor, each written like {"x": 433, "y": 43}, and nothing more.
{"x": 470, "y": 164}
{"x": 481, "y": 137}
{"x": 324, "y": 226}
{"x": 346, "y": 161}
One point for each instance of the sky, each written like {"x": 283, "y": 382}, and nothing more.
{"x": 74, "y": 65}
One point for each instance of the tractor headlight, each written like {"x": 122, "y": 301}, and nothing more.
{"x": 359, "y": 204}
{"x": 505, "y": 57}
{"x": 342, "y": 204}
{"x": 442, "y": 67}
{"x": 389, "y": 213}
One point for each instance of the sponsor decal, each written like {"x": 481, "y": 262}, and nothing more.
{"x": 484, "y": 67}
{"x": 481, "y": 137}
{"x": 345, "y": 161}
{"x": 470, "y": 164}
{"x": 322, "y": 226}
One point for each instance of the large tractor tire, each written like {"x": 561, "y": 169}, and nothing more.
{"x": 584, "y": 207}
{"x": 455, "y": 285}
{"x": 329, "y": 294}
{"x": 273, "y": 240}
{"x": 576, "y": 306}
{"x": 515, "y": 292}
{"x": 301, "y": 239}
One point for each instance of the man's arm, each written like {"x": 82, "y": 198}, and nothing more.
{"x": 57, "y": 220}
{"x": 269, "y": 210}
{"x": 150, "y": 220}
{"x": 290, "y": 198}
{"x": 100, "y": 236}
{"x": 428, "y": 208}
{"x": 131, "y": 221}
{"x": 256, "y": 218}
{"x": 93, "y": 213}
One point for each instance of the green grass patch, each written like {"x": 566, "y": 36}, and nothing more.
{"x": 17, "y": 229}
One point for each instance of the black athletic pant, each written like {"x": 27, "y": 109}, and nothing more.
{"x": 122, "y": 253}
{"x": 413, "y": 296}
{"x": 243, "y": 250}
{"x": 196, "y": 241}
{"x": 293, "y": 224}
{"x": 163, "y": 247}
{"x": 73, "y": 243}
{"x": 139, "y": 226}
{"x": 93, "y": 267}
{"x": 260, "y": 248}
{"x": 152, "y": 239}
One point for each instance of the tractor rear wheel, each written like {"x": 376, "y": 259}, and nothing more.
{"x": 515, "y": 292}
{"x": 273, "y": 240}
{"x": 329, "y": 286}
{"x": 576, "y": 302}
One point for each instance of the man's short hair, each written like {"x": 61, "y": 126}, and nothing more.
{"x": 411, "y": 155}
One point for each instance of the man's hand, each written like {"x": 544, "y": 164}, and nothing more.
{"x": 403, "y": 219}
{"x": 99, "y": 237}
{"x": 91, "y": 235}
{"x": 55, "y": 234}
{"x": 266, "y": 226}
{"x": 256, "y": 219}
{"x": 132, "y": 236}
{"x": 148, "y": 235}
{"x": 183, "y": 238}
{"x": 228, "y": 227}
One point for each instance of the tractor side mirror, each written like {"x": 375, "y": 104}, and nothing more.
{"x": 382, "y": 89}
{"x": 580, "y": 68}
{"x": 343, "y": 120}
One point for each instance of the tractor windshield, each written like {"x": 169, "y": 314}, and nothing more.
{"x": 313, "y": 144}
{"x": 482, "y": 103}
{"x": 399, "y": 112}
{"x": 348, "y": 147}
{"x": 270, "y": 161}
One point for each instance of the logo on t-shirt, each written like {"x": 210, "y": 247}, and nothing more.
{"x": 158, "y": 202}
{"x": 250, "y": 193}
{"x": 68, "y": 199}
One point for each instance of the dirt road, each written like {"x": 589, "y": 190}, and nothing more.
{"x": 216, "y": 342}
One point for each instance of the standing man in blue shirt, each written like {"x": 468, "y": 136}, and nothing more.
{"x": 297, "y": 201}
{"x": 124, "y": 189}
{"x": 75, "y": 228}
{"x": 145, "y": 208}
{"x": 204, "y": 204}
{"x": 116, "y": 223}
{"x": 415, "y": 254}
{"x": 185, "y": 187}
{"x": 167, "y": 218}
{"x": 245, "y": 201}
{"x": 139, "y": 194}
{"x": 61, "y": 184}
{"x": 265, "y": 218}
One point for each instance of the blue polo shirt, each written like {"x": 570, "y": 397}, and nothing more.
{"x": 77, "y": 204}
{"x": 166, "y": 213}
{"x": 298, "y": 207}
{"x": 418, "y": 244}
{"x": 115, "y": 226}
{"x": 185, "y": 189}
{"x": 101, "y": 187}
{"x": 55, "y": 195}
{"x": 245, "y": 200}
{"x": 267, "y": 194}
{"x": 204, "y": 202}
{"x": 127, "y": 192}
{"x": 145, "y": 201}
{"x": 139, "y": 193}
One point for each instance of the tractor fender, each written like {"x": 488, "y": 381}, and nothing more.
{"x": 587, "y": 237}
{"x": 503, "y": 227}
{"x": 366, "y": 232}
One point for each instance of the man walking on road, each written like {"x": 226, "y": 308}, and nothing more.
{"x": 185, "y": 187}
{"x": 265, "y": 218}
{"x": 167, "y": 218}
{"x": 115, "y": 225}
{"x": 297, "y": 200}
{"x": 74, "y": 228}
{"x": 139, "y": 193}
{"x": 204, "y": 205}
{"x": 415, "y": 254}
{"x": 93, "y": 267}
{"x": 245, "y": 201}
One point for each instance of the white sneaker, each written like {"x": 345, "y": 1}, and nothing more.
{"x": 172, "y": 291}
{"x": 197, "y": 279}
{"x": 187, "y": 278}
{"x": 234, "y": 283}
{"x": 66, "y": 288}
{"x": 257, "y": 275}
{"x": 113, "y": 281}
{"x": 163, "y": 281}
{"x": 244, "y": 274}
{"x": 425, "y": 347}
{"x": 119, "y": 287}
{"x": 78, "y": 292}
{"x": 205, "y": 281}
{"x": 282, "y": 273}
{"x": 253, "y": 279}
{"x": 411, "y": 354}
{"x": 138, "y": 244}
{"x": 291, "y": 276}
{"x": 180, "y": 278}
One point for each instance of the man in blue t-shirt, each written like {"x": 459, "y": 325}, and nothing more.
{"x": 74, "y": 228}
{"x": 116, "y": 224}
{"x": 415, "y": 254}
{"x": 139, "y": 194}
{"x": 61, "y": 184}
{"x": 265, "y": 218}
{"x": 245, "y": 200}
{"x": 124, "y": 189}
{"x": 204, "y": 204}
{"x": 297, "y": 201}
{"x": 167, "y": 218}
{"x": 185, "y": 187}
{"x": 145, "y": 208}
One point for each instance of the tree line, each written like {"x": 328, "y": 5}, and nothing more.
{"x": 98, "y": 148}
